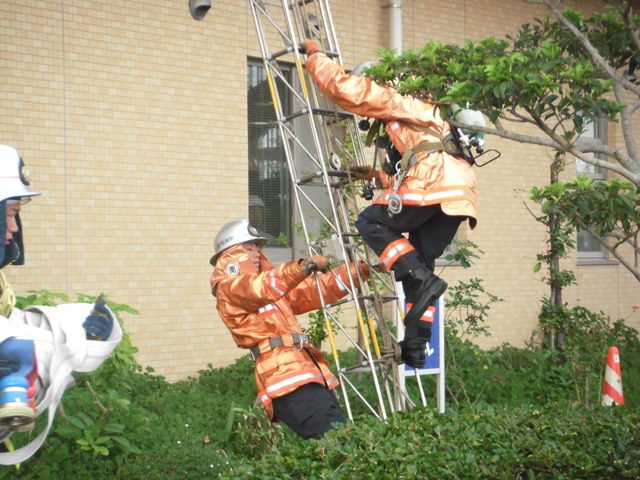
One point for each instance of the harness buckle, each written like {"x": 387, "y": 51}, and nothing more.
{"x": 394, "y": 205}
{"x": 255, "y": 353}
{"x": 298, "y": 339}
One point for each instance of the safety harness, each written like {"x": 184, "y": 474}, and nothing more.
{"x": 449, "y": 143}
{"x": 287, "y": 340}
{"x": 456, "y": 143}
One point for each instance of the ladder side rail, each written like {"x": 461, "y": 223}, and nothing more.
{"x": 313, "y": 21}
{"x": 332, "y": 37}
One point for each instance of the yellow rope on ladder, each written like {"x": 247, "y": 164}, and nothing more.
{"x": 332, "y": 340}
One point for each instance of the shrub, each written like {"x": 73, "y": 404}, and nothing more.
{"x": 527, "y": 442}
{"x": 511, "y": 413}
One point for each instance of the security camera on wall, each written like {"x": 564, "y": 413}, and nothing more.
{"x": 199, "y": 8}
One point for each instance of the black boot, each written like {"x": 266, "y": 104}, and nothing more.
{"x": 414, "y": 346}
{"x": 425, "y": 288}
{"x": 414, "y": 352}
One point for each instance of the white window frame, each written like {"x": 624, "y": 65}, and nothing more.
{"x": 594, "y": 133}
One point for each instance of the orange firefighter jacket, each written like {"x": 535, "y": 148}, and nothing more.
{"x": 437, "y": 177}
{"x": 259, "y": 306}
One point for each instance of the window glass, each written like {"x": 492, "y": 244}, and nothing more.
{"x": 269, "y": 185}
{"x": 593, "y": 133}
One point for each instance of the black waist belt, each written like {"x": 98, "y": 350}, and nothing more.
{"x": 279, "y": 341}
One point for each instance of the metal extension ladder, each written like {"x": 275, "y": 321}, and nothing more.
{"x": 321, "y": 142}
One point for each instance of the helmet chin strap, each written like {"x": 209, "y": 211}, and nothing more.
{"x": 3, "y": 235}
{"x": 12, "y": 253}
{"x": 7, "y": 253}
{"x": 19, "y": 243}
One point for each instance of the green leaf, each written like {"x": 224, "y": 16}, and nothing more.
{"x": 104, "y": 451}
{"x": 76, "y": 422}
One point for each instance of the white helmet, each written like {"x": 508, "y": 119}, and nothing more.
{"x": 14, "y": 177}
{"x": 235, "y": 233}
{"x": 359, "y": 69}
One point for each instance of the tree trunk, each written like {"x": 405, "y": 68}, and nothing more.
{"x": 554, "y": 261}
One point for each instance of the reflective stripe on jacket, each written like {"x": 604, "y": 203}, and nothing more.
{"x": 259, "y": 306}
{"x": 436, "y": 177}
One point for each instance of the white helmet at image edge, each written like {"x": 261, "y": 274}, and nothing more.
{"x": 14, "y": 176}
{"x": 358, "y": 70}
{"x": 234, "y": 233}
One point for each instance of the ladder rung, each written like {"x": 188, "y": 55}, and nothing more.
{"x": 337, "y": 116}
{"x": 308, "y": 178}
{"x": 299, "y": 113}
{"x": 301, "y": 3}
{"x": 384, "y": 298}
{"x": 281, "y": 53}
{"x": 364, "y": 367}
{"x": 344, "y": 115}
{"x": 347, "y": 299}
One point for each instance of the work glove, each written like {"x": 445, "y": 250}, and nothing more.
{"x": 364, "y": 269}
{"x": 309, "y": 47}
{"x": 99, "y": 323}
{"x": 365, "y": 173}
{"x": 316, "y": 263}
{"x": 9, "y": 363}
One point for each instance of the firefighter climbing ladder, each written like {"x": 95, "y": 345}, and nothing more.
{"x": 321, "y": 142}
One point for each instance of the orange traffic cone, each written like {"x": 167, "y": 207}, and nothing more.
{"x": 612, "y": 391}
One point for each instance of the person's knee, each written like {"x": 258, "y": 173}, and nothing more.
{"x": 362, "y": 221}
{"x": 337, "y": 418}
{"x": 367, "y": 220}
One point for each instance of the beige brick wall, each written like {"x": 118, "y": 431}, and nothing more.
{"x": 132, "y": 119}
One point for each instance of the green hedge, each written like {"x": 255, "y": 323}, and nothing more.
{"x": 522, "y": 413}
{"x": 485, "y": 442}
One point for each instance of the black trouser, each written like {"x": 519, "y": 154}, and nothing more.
{"x": 430, "y": 231}
{"x": 310, "y": 410}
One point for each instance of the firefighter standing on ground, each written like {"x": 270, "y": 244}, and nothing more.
{"x": 259, "y": 302}
{"x": 438, "y": 192}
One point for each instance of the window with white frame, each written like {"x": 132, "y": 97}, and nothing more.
{"x": 594, "y": 133}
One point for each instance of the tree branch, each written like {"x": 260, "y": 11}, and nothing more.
{"x": 628, "y": 21}
{"x": 557, "y": 142}
{"x": 627, "y": 133}
{"x": 103, "y": 409}
{"x": 591, "y": 50}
